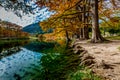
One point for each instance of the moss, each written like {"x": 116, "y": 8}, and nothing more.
{"x": 83, "y": 74}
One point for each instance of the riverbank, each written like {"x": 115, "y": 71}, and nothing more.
{"x": 60, "y": 63}
{"x": 4, "y": 42}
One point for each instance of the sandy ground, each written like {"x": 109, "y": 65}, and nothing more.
{"x": 108, "y": 54}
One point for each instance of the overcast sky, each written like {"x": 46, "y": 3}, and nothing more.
{"x": 26, "y": 19}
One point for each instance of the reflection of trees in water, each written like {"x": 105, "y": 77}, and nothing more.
{"x": 39, "y": 46}
{"x": 1, "y": 50}
{"x": 9, "y": 44}
{"x": 9, "y": 48}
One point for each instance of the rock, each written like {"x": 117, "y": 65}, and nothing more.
{"x": 87, "y": 62}
{"x": 78, "y": 47}
{"x": 106, "y": 65}
{"x": 82, "y": 54}
{"x": 91, "y": 66}
{"x": 86, "y": 56}
{"x": 78, "y": 51}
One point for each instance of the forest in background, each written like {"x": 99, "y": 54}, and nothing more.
{"x": 11, "y": 31}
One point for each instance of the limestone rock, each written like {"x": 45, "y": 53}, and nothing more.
{"x": 87, "y": 62}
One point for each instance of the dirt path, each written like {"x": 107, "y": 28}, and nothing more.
{"x": 108, "y": 54}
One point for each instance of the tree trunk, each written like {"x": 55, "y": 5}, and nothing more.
{"x": 81, "y": 34}
{"x": 96, "y": 35}
{"x": 104, "y": 32}
{"x": 67, "y": 39}
{"x": 86, "y": 33}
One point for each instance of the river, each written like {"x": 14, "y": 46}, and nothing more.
{"x": 18, "y": 63}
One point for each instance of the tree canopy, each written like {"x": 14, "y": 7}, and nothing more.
{"x": 81, "y": 13}
{"x": 20, "y": 7}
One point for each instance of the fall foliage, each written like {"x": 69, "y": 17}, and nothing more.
{"x": 76, "y": 16}
{"x": 9, "y": 30}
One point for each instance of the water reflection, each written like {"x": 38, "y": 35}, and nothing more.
{"x": 19, "y": 64}
{"x": 16, "y": 61}
{"x": 10, "y": 44}
{"x": 39, "y": 46}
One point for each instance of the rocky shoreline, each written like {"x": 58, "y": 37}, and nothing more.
{"x": 9, "y": 51}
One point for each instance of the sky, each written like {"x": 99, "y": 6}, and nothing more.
{"x": 26, "y": 19}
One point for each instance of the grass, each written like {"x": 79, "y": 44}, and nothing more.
{"x": 113, "y": 38}
{"x": 84, "y": 74}
{"x": 9, "y": 41}
{"x": 13, "y": 43}
{"x": 108, "y": 39}
{"x": 33, "y": 38}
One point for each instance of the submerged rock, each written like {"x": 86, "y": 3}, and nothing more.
{"x": 9, "y": 51}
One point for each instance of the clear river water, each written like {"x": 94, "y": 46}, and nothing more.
{"x": 18, "y": 62}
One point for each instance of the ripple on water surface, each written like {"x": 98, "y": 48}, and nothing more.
{"x": 18, "y": 64}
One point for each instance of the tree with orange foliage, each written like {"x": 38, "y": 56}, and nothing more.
{"x": 85, "y": 10}
{"x": 78, "y": 9}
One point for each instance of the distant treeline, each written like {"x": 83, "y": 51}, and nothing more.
{"x": 9, "y": 34}
{"x": 10, "y": 30}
